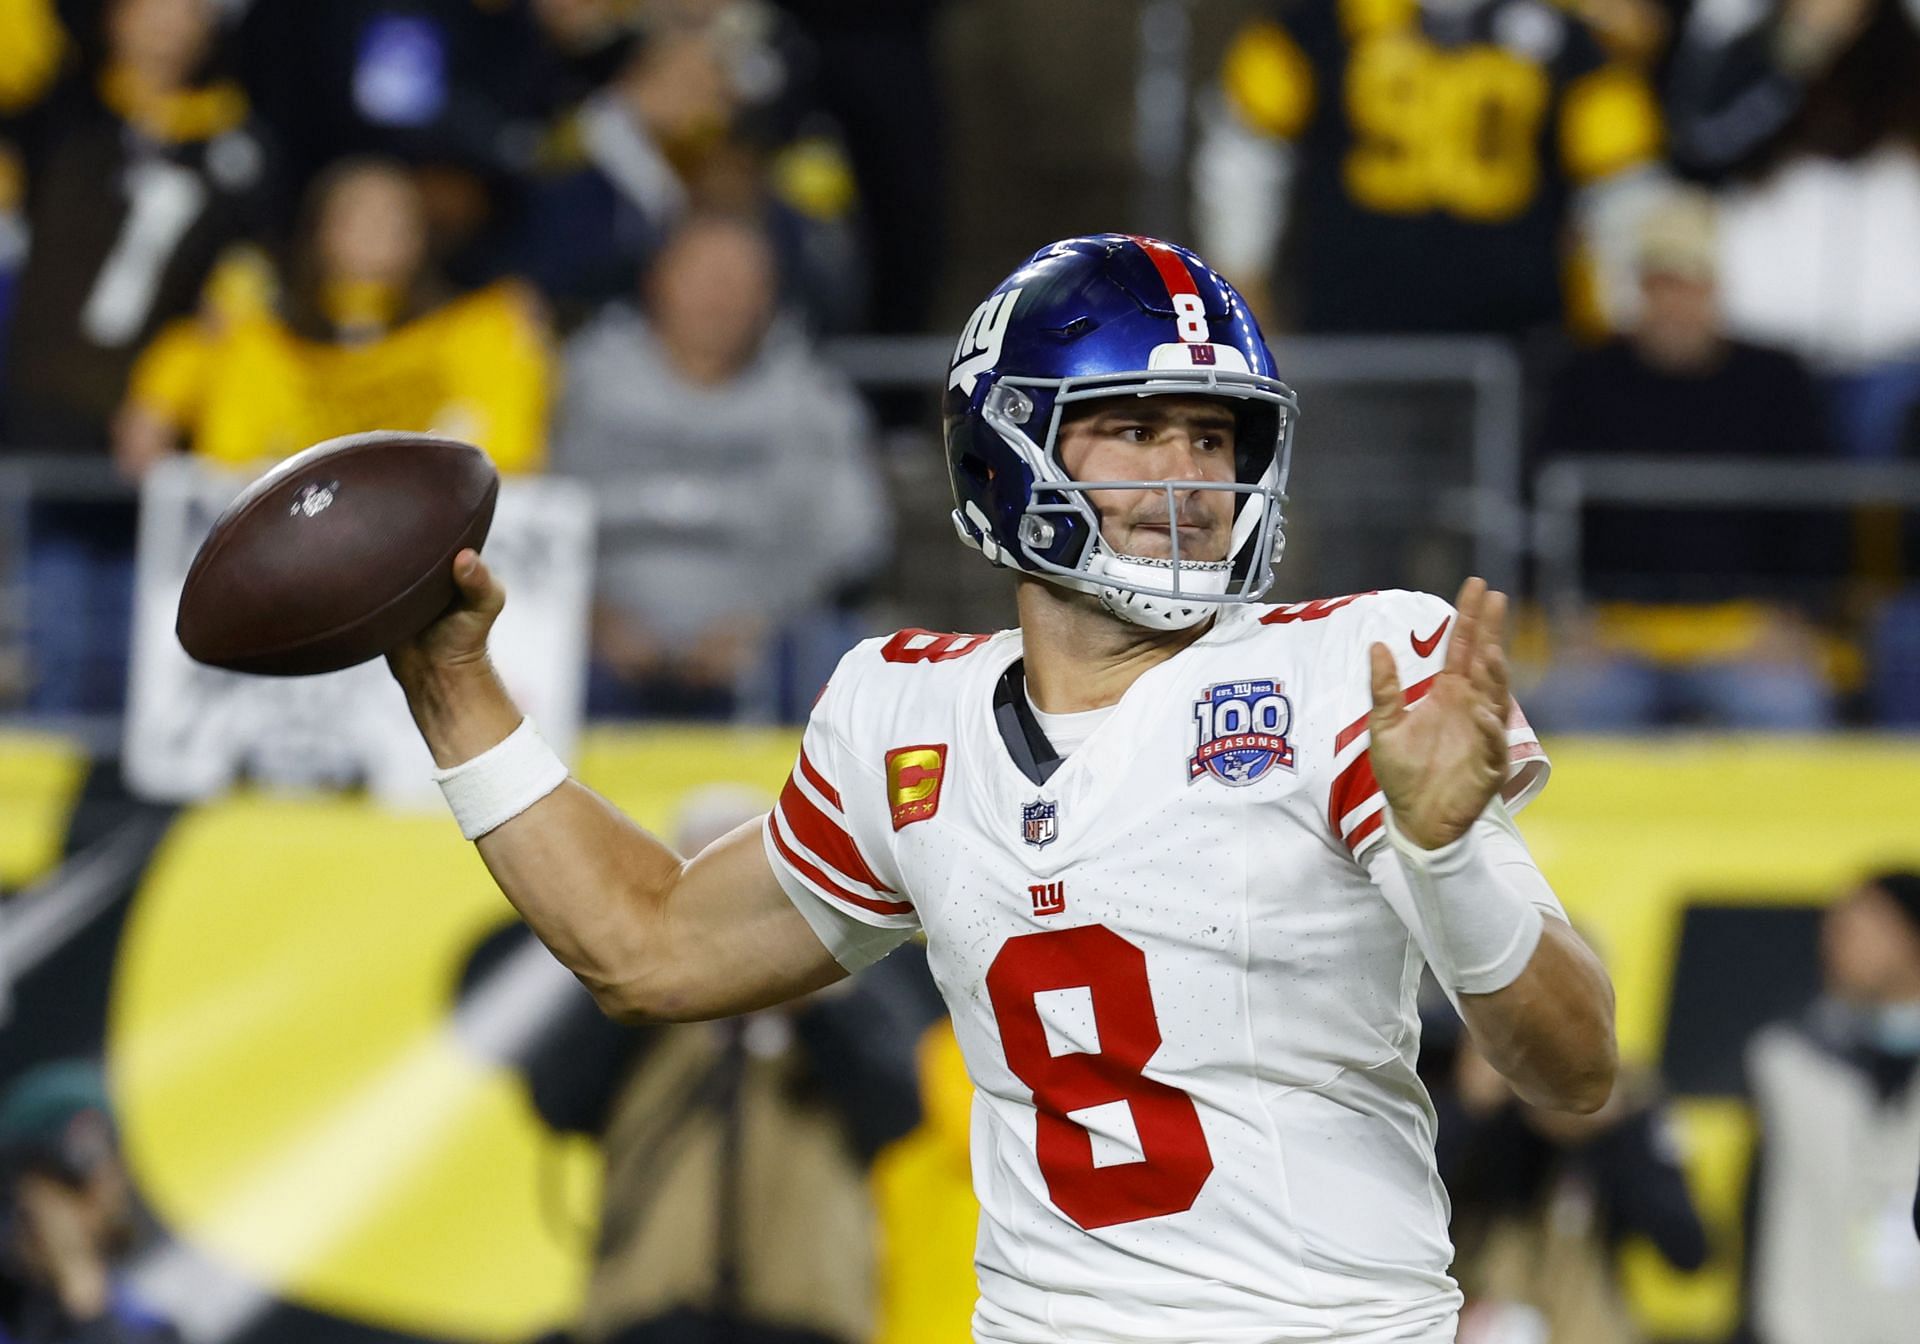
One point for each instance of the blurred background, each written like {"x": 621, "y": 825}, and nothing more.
{"x": 1616, "y": 302}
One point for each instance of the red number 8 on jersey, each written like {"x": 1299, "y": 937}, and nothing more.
{"x": 1175, "y": 1160}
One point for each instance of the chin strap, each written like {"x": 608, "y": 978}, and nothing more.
{"x": 1205, "y": 580}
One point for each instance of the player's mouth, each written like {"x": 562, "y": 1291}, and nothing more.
{"x": 1197, "y": 540}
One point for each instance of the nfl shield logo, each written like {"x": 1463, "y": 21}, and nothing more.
{"x": 1039, "y": 823}
{"x": 1241, "y": 730}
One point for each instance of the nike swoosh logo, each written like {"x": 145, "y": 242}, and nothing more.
{"x": 1424, "y": 647}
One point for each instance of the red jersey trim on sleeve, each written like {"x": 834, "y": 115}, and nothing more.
{"x": 808, "y": 827}
{"x": 1356, "y": 808}
{"x": 820, "y": 785}
{"x": 824, "y": 835}
{"x": 821, "y": 881}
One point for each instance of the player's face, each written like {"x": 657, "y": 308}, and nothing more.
{"x": 1163, "y": 438}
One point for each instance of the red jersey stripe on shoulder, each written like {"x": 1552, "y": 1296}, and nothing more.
{"x": 820, "y": 879}
{"x": 1173, "y": 271}
{"x": 1366, "y": 828}
{"x": 825, "y": 836}
{"x": 819, "y": 782}
{"x": 1414, "y": 693}
{"x": 1316, "y": 609}
{"x": 1352, "y": 788}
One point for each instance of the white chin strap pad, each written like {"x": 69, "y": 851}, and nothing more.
{"x": 1202, "y": 586}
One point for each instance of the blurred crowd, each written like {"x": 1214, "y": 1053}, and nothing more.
{"x": 597, "y": 236}
{"x": 605, "y": 238}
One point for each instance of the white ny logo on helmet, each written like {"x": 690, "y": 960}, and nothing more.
{"x": 979, "y": 348}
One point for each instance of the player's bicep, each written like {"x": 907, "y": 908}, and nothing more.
{"x": 730, "y": 914}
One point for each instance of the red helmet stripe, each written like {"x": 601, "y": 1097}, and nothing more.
{"x": 1173, "y": 271}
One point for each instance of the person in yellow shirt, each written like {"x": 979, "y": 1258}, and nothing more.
{"x": 364, "y": 336}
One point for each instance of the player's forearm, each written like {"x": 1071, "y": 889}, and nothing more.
{"x": 587, "y": 881}
{"x": 1535, "y": 997}
{"x": 1550, "y": 1032}
{"x": 461, "y": 709}
{"x": 596, "y": 889}
{"x": 653, "y": 936}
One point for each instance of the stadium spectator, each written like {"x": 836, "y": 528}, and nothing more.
{"x": 1691, "y": 622}
{"x": 587, "y": 42}
{"x": 1426, "y": 161}
{"x": 140, "y": 168}
{"x": 135, "y": 185}
{"x": 735, "y": 479}
{"x": 367, "y": 335}
{"x": 1836, "y": 1096}
{"x": 736, "y": 1206}
{"x": 66, "y": 1215}
{"x": 1809, "y": 110}
{"x": 1543, "y": 1200}
{"x": 448, "y": 83}
{"x": 880, "y": 81}
{"x": 714, "y": 109}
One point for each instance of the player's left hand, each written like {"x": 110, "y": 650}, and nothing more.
{"x": 1441, "y": 764}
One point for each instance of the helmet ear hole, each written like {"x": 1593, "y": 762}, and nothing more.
{"x": 1009, "y": 403}
{"x": 1037, "y": 532}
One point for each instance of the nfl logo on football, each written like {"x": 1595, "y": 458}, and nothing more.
{"x": 1242, "y": 732}
{"x": 1039, "y": 823}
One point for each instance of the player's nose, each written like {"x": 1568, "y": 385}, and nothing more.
{"x": 1180, "y": 458}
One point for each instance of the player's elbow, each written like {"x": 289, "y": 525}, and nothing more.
{"x": 1589, "y": 1063}
{"x": 647, "y": 996}
{"x": 1590, "y": 1085}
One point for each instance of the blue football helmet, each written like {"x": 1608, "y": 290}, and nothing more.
{"x": 1112, "y": 315}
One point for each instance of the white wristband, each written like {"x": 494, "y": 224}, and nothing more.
{"x": 1482, "y": 931}
{"x": 501, "y": 782}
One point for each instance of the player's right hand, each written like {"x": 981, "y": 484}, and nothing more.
{"x": 1440, "y": 767}
{"x": 457, "y": 640}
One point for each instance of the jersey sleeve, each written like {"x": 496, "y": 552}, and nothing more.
{"x": 1418, "y": 628}
{"x": 826, "y": 841}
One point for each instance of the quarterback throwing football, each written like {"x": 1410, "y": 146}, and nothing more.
{"x": 1179, "y": 856}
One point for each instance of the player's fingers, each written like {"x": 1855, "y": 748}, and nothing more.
{"x": 1466, "y": 628}
{"x": 478, "y": 588}
{"x": 1493, "y": 735}
{"x": 1498, "y": 691}
{"x": 1388, "y": 701}
{"x": 1493, "y": 618}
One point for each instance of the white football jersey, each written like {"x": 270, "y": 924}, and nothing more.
{"x": 1187, "y": 1010}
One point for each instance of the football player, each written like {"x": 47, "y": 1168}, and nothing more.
{"x": 1179, "y": 856}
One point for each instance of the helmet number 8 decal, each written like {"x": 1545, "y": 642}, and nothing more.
{"x": 1174, "y": 1160}
{"x": 1192, "y": 315}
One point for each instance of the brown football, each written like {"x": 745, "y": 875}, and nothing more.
{"x": 336, "y": 555}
